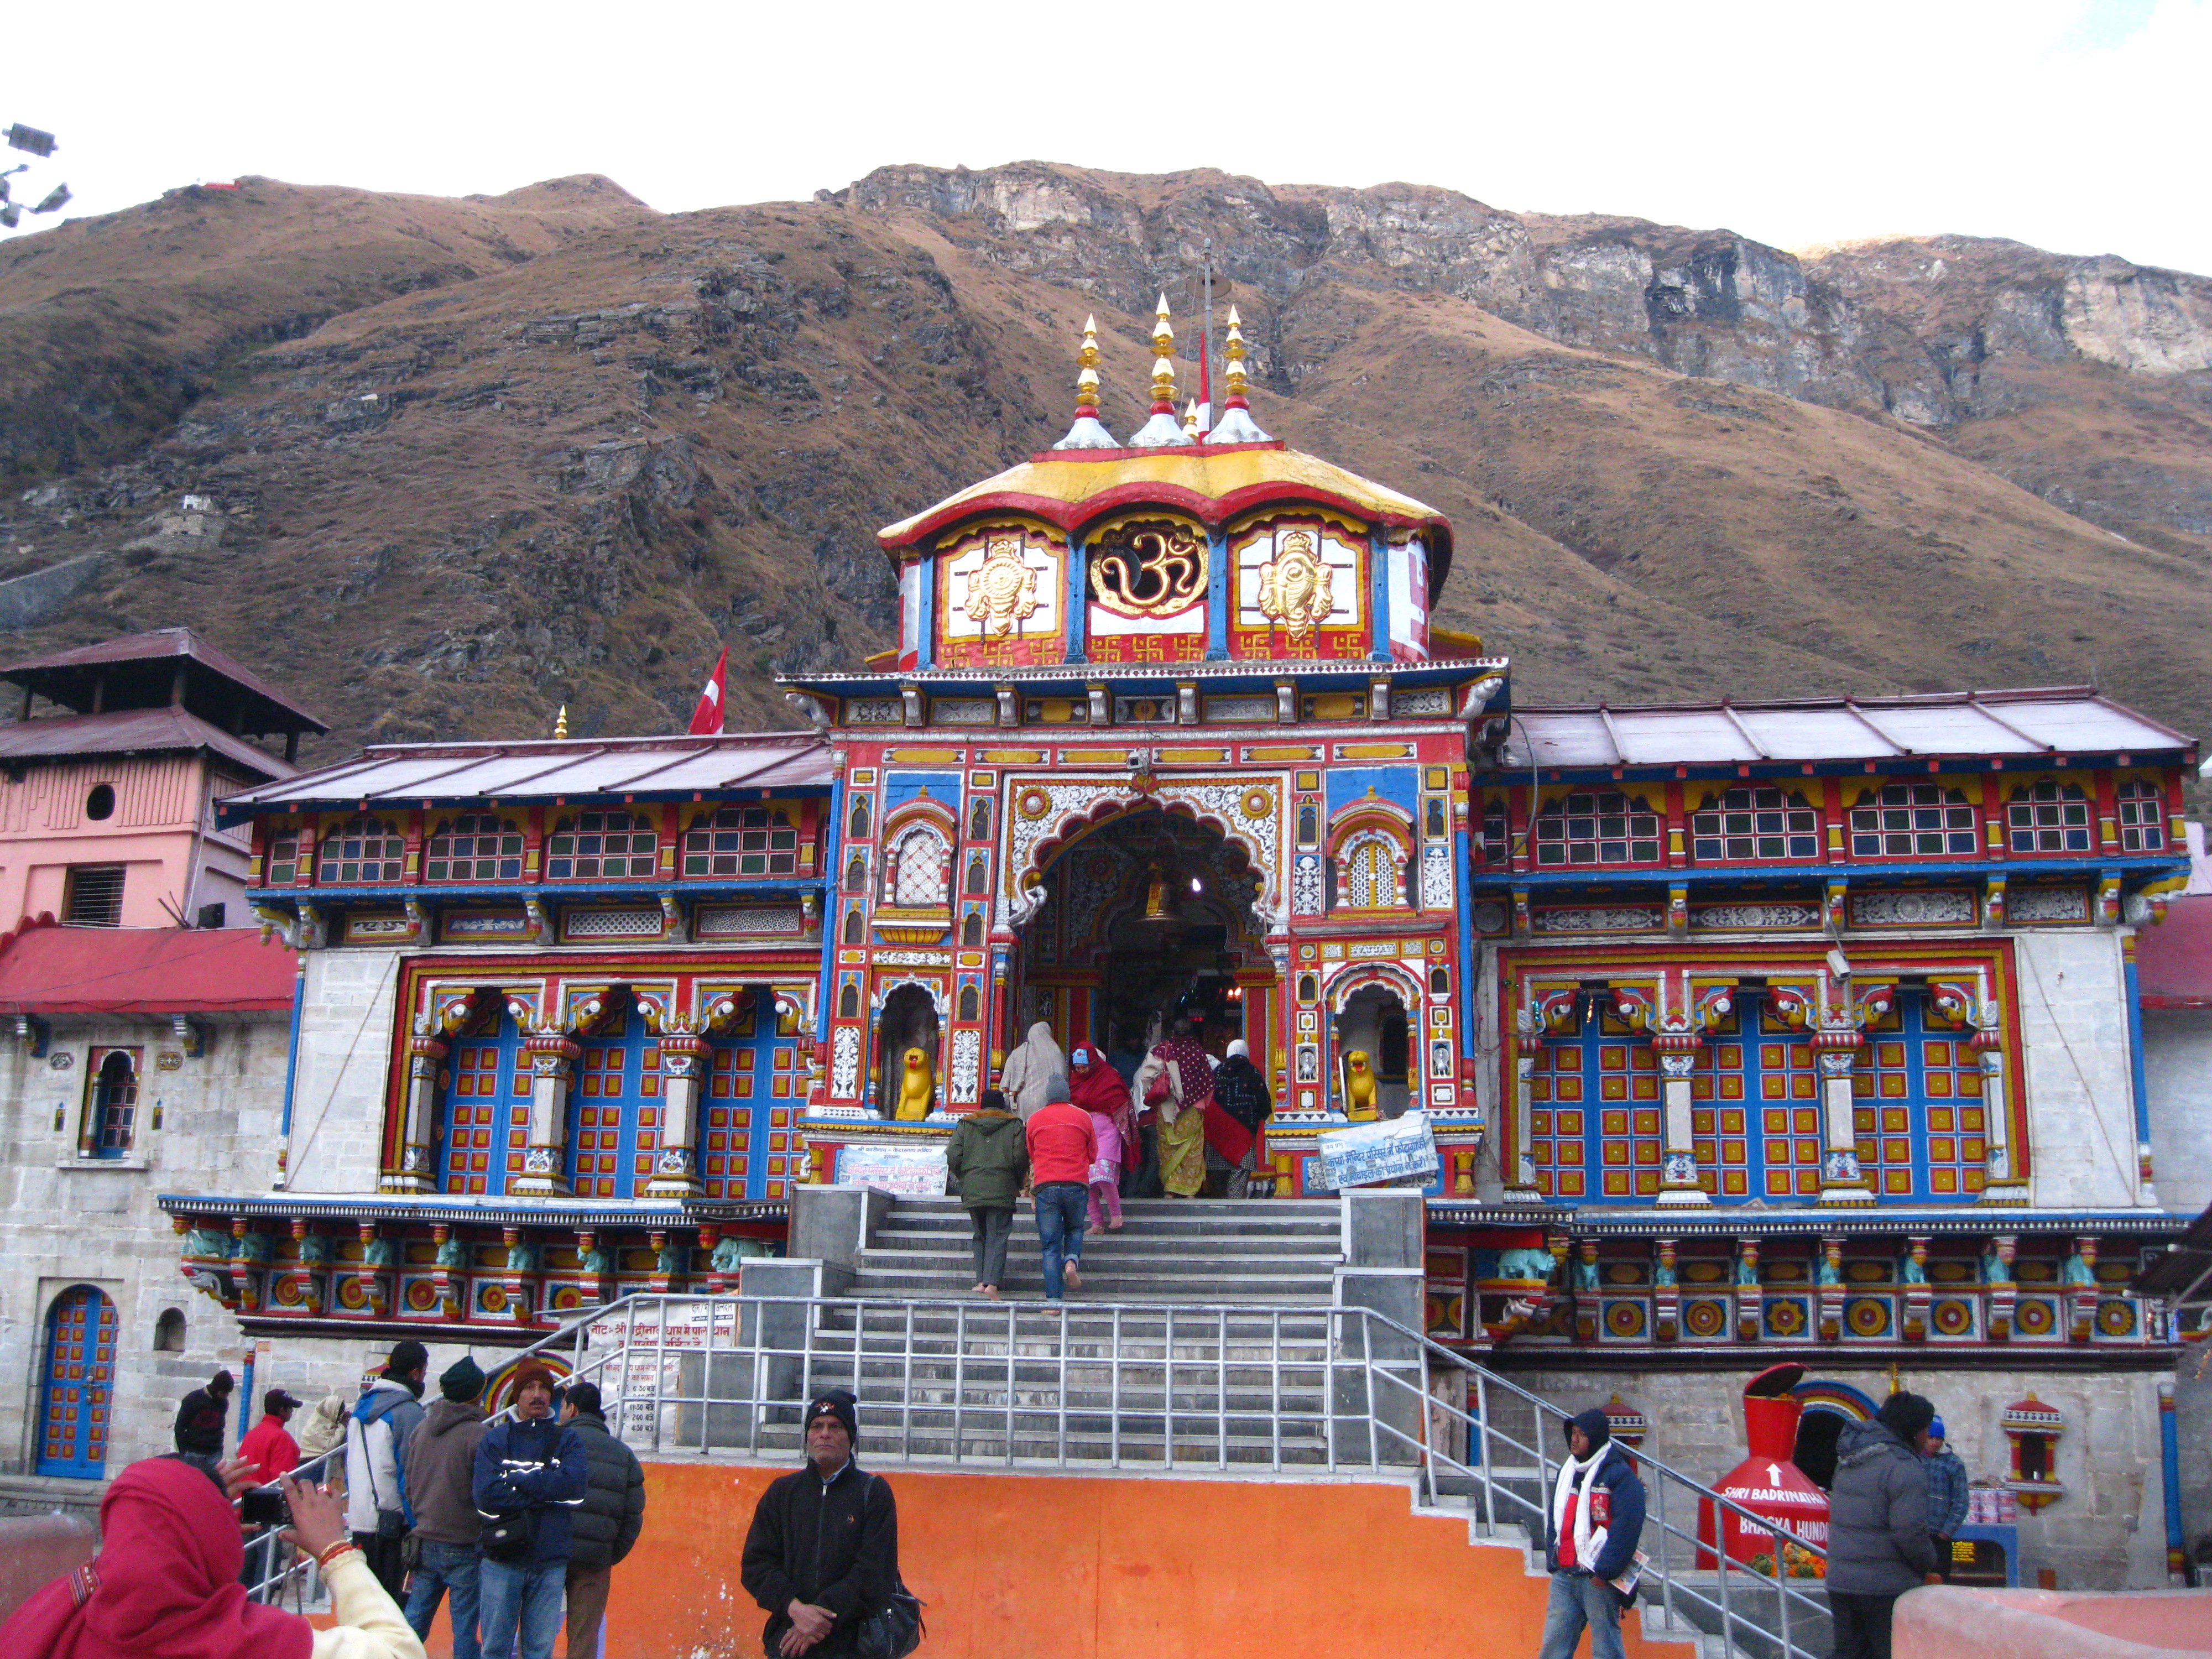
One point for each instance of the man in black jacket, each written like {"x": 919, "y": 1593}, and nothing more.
{"x": 823, "y": 1552}
{"x": 1591, "y": 1528}
{"x": 1878, "y": 1545}
{"x": 200, "y": 1418}
{"x": 600, "y": 1533}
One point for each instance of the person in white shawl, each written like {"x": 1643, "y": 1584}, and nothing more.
{"x": 1029, "y": 1070}
{"x": 1591, "y": 1528}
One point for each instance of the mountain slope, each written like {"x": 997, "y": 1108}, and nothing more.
{"x": 489, "y": 457}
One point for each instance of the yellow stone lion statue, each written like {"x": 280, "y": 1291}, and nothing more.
{"x": 917, "y": 1086}
{"x": 1360, "y": 1102}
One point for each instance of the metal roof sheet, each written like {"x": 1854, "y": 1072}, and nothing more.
{"x": 132, "y": 731}
{"x": 2066, "y": 721}
{"x": 143, "y": 970}
{"x": 544, "y": 769}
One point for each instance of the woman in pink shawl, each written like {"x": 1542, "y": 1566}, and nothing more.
{"x": 1098, "y": 1088}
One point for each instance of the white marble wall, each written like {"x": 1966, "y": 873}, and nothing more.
{"x": 346, "y": 1033}
{"x": 2073, "y": 1015}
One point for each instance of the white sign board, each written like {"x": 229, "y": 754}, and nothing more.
{"x": 1388, "y": 1151}
{"x": 903, "y": 1171}
{"x": 647, "y": 1345}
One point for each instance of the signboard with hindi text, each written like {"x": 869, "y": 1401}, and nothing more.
{"x": 902, "y": 1171}
{"x": 1392, "y": 1149}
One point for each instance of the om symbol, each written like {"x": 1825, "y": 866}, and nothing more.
{"x": 1149, "y": 570}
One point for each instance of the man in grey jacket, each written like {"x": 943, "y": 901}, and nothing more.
{"x": 1878, "y": 1545}
{"x": 607, "y": 1524}
{"x": 441, "y": 1464}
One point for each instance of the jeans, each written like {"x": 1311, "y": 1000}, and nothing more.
{"x": 524, "y": 1596}
{"x": 1862, "y": 1623}
{"x": 1060, "y": 1217}
{"x": 447, "y": 1567}
{"x": 1577, "y": 1600}
{"x": 994, "y": 1227}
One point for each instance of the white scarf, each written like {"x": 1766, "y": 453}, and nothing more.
{"x": 1589, "y": 1545}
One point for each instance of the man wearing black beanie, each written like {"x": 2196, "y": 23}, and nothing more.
{"x": 823, "y": 1552}
{"x": 1878, "y": 1544}
{"x": 440, "y": 1463}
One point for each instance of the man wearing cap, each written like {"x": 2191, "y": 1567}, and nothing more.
{"x": 823, "y": 1552}
{"x": 377, "y": 1432}
{"x": 612, "y": 1515}
{"x": 1948, "y": 1494}
{"x": 441, "y": 1469}
{"x": 529, "y": 1476}
{"x": 1878, "y": 1528}
{"x": 267, "y": 1450}
{"x": 200, "y": 1417}
{"x": 269, "y": 1446}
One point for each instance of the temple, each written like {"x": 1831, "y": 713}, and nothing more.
{"x": 1743, "y": 1023}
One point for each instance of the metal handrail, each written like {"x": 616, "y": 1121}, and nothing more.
{"x": 1097, "y": 1385}
{"x": 272, "y": 1576}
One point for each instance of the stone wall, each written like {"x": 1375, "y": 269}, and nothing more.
{"x": 2108, "y": 1532}
{"x": 2177, "y": 1066}
{"x": 68, "y": 1220}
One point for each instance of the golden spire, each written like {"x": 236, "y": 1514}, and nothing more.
{"x": 1088, "y": 432}
{"x": 1190, "y": 420}
{"x": 1236, "y": 425}
{"x": 1234, "y": 351}
{"x": 561, "y": 722}
{"x": 1087, "y": 382}
{"x": 1164, "y": 386}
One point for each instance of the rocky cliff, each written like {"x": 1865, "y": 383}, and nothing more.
{"x": 455, "y": 463}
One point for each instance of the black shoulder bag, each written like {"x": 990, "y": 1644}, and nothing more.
{"x": 894, "y": 1630}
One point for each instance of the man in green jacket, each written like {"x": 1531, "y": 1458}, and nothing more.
{"x": 988, "y": 1160}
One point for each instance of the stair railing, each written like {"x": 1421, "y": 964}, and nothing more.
{"x": 1514, "y": 1476}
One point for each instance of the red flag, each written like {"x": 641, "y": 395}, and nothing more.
{"x": 706, "y": 718}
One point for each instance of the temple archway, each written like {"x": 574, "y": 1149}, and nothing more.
{"x": 1146, "y": 914}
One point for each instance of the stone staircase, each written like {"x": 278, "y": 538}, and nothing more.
{"x": 1218, "y": 1353}
{"x": 1256, "y": 1253}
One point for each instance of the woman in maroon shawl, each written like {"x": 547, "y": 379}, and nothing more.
{"x": 1180, "y": 1064}
{"x": 165, "y": 1584}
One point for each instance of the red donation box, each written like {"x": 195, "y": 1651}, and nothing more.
{"x": 1770, "y": 1486}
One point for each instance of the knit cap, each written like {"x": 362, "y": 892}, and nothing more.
{"x": 462, "y": 1381}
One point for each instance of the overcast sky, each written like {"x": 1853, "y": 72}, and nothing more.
{"x": 2078, "y": 125}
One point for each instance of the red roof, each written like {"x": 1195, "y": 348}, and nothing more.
{"x": 45, "y": 969}
{"x": 2173, "y": 960}
{"x": 132, "y": 732}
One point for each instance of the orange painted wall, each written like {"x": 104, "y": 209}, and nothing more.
{"x": 1093, "y": 1567}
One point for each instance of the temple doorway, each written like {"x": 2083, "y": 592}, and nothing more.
{"x": 1373, "y": 1024}
{"x": 910, "y": 1019}
{"x": 1147, "y": 916}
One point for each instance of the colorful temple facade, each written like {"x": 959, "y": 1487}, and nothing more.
{"x": 1741, "y": 1024}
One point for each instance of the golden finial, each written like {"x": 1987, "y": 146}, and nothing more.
{"x": 561, "y": 722}
{"x": 1088, "y": 432}
{"x": 1236, "y": 425}
{"x": 1163, "y": 384}
{"x": 1190, "y": 420}
{"x": 1896, "y": 1384}
{"x": 1086, "y": 381}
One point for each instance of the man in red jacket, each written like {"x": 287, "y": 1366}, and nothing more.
{"x": 1063, "y": 1145}
{"x": 269, "y": 1446}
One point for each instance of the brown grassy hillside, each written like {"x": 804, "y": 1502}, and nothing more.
{"x": 474, "y": 459}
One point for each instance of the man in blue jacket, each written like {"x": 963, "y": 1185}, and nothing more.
{"x": 1591, "y": 1526}
{"x": 530, "y": 1474}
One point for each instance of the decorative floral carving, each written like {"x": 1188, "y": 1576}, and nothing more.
{"x": 845, "y": 1062}
{"x": 1002, "y": 589}
{"x": 2049, "y": 904}
{"x": 1755, "y": 915}
{"x": 1910, "y": 910}
{"x": 1435, "y": 878}
{"x": 1618, "y": 919}
{"x": 967, "y": 1064}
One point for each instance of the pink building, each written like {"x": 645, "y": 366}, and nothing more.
{"x": 109, "y": 779}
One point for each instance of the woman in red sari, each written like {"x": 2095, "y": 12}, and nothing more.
{"x": 165, "y": 1584}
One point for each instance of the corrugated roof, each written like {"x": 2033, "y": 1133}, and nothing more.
{"x": 58, "y": 668}
{"x": 550, "y": 767}
{"x": 131, "y": 731}
{"x": 2064, "y": 721}
{"x": 143, "y": 970}
{"x": 1069, "y": 487}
